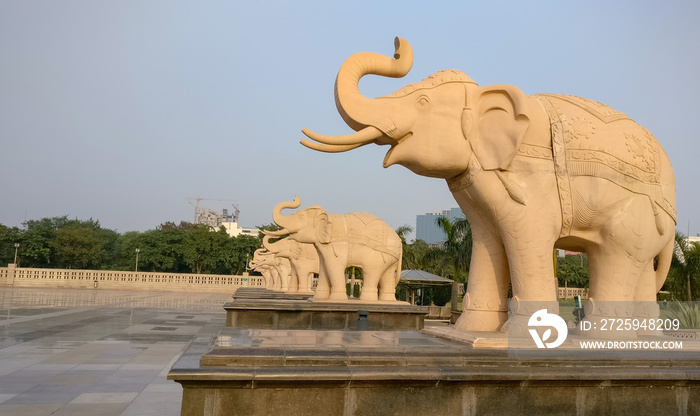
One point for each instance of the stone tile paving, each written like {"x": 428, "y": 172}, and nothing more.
{"x": 97, "y": 352}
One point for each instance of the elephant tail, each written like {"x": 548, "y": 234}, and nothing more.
{"x": 665, "y": 257}
{"x": 398, "y": 267}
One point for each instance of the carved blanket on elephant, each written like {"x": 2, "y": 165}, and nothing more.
{"x": 369, "y": 230}
{"x": 592, "y": 139}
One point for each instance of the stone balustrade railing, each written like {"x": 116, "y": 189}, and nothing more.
{"x": 122, "y": 280}
{"x": 570, "y": 292}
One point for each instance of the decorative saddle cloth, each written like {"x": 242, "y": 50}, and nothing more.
{"x": 627, "y": 154}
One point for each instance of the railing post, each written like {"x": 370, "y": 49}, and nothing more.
{"x": 11, "y": 274}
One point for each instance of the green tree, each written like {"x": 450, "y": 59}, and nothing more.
{"x": 37, "y": 237}
{"x": 83, "y": 245}
{"x": 684, "y": 276}
{"x": 402, "y": 231}
{"x": 573, "y": 271}
{"x": 237, "y": 251}
{"x": 414, "y": 256}
{"x": 453, "y": 256}
{"x": 77, "y": 247}
{"x": 160, "y": 250}
{"x": 165, "y": 248}
{"x": 200, "y": 248}
{"x": 8, "y": 237}
{"x": 110, "y": 253}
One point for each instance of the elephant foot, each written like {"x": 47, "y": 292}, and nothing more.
{"x": 480, "y": 320}
{"x": 369, "y": 295}
{"x": 648, "y": 314}
{"x": 338, "y": 296}
{"x": 321, "y": 294}
{"x": 389, "y": 296}
{"x": 522, "y": 311}
{"x": 482, "y": 313}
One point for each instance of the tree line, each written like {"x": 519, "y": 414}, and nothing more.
{"x": 60, "y": 242}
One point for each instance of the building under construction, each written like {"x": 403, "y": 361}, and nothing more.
{"x": 215, "y": 219}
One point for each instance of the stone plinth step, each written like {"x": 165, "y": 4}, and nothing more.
{"x": 301, "y": 372}
{"x": 305, "y": 314}
{"x": 259, "y": 293}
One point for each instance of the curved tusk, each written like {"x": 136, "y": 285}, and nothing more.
{"x": 366, "y": 135}
{"x": 278, "y": 233}
{"x": 330, "y": 148}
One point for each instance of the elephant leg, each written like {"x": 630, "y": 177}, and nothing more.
{"x": 611, "y": 275}
{"x": 323, "y": 288}
{"x": 387, "y": 284}
{"x": 305, "y": 277}
{"x": 284, "y": 281}
{"x": 621, "y": 266}
{"x": 533, "y": 283}
{"x": 528, "y": 240}
{"x": 294, "y": 282}
{"x": 645, "y": 306}
{"x": 338, "y": 289}
{"x": 612, "y": 290}
{"x": 335, "y": 270}
{"x": 485, "y": 302}
{"x": 276, "y": 285}
{"x": 370, "y": 284}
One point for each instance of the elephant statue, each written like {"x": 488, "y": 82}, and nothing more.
{"x": 303, "y": 258}
{"x": 531, "y": 173}
{"x": 268, "y": 273}
{"x": 341, "y": 241}
{"x": 280, "y": 269}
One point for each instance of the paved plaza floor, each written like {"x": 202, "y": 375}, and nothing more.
{"x": 97, "y": 352}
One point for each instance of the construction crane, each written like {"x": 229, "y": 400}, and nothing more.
{"x": 197, "y": 208}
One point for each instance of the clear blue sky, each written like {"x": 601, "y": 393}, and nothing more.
{"x": 119, "y": 110}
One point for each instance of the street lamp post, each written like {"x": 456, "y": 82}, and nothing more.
{"x": 137, "y": 259}
{"x": 16, "y": 248}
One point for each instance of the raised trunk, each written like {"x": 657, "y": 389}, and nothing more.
{"x": 277, "y": 216}
{"x": 266, "y": 242}
{"x": 357, "y": 110}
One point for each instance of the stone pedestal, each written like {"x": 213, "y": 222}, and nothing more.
{"x": 247, "y": 293}
{"x": 279, "y": 313}
{"x": 302, "y": 372}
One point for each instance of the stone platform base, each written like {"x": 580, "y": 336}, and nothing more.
{"x": 301, "y": 372}
{"x": 259, "y": 293}
{"x": 280, "y": 313}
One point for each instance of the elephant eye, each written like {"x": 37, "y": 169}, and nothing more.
{"x": 423, "y": 101}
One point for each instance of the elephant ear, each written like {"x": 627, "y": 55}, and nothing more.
{"x": 501, "y": 125}
{"x": 323, "y": 228}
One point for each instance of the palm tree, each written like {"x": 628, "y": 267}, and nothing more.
{"x": 457, "y": 247}
{"x": 685, "y": 266}
{"x": 453, "y": 255}
{"x": 402, "y": 232}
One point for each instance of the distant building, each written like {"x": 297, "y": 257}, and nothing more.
{"x": 428, "y": 231}
{"x": 228, "y": 221}
{"x": 234, "y": 230}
